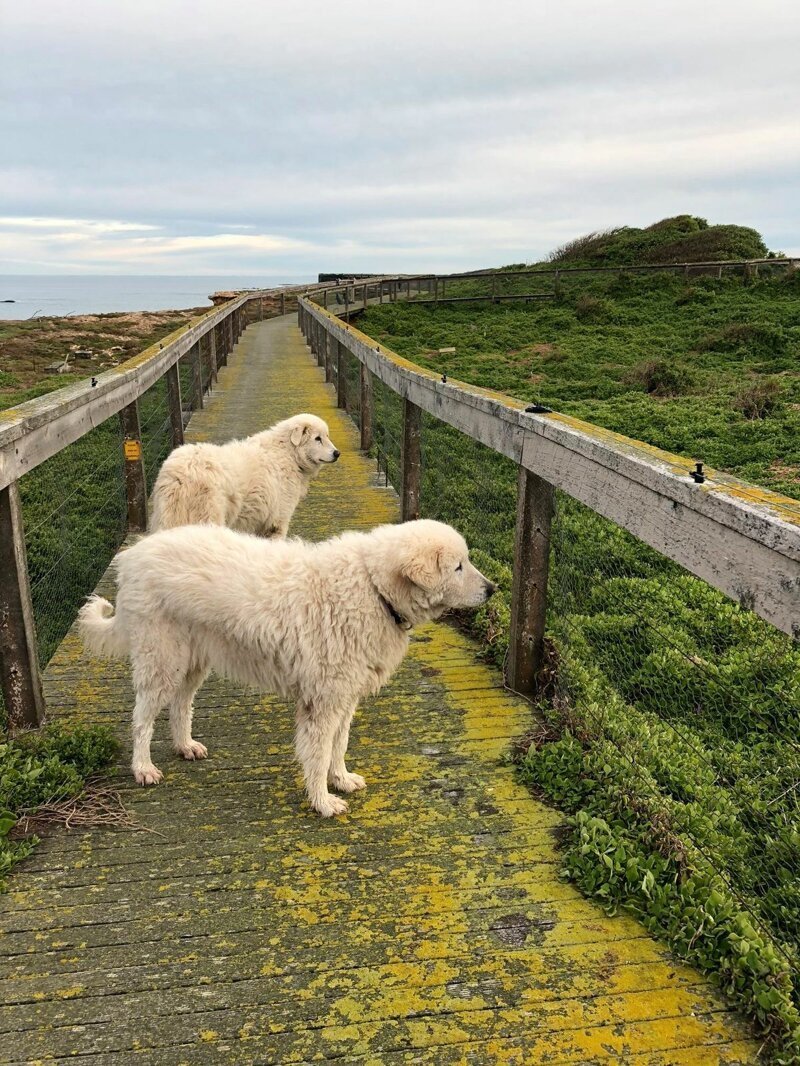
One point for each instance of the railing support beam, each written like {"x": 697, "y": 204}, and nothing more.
{"x": 196, "y": 364}
{"x": 175, "y": 403}
{"x": 135, "y": 484}
{"x": 535, "y": 499}
{"x": 366, "y": 408}
{"x": 20, "y": 677}
{"x": 411, "y": 461}
{"x": 341, "y": 376}
{"x": 330, "y": 349}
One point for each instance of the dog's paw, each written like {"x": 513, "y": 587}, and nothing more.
{"x": 193, "y": 750}
{"x": 147, "y": 775}
{"x": 348, "y": 782}
{"x": 331, "y": 806}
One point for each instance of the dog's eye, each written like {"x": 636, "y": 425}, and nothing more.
{"x": 319, "y": 439}
{"x": 459, "y": 567}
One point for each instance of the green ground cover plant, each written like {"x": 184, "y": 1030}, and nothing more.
{"x": 669, "y": 728}
{"x": 40, "y": 768}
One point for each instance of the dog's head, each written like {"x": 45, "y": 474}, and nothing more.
{"x": 431, "y": 572}
{"x": 308, "y": 437}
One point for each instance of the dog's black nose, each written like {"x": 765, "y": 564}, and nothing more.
{"x": 491, "y": 588}
{"x": 336, "y": 454}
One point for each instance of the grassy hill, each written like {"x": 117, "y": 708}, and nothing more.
{"x": 682, "y": 239}
{"x": 669, "y": 731}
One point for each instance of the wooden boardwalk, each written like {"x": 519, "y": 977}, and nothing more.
{"x": 430, "y": 925}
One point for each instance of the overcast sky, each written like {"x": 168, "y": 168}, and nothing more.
{"x": 171, "y": 137}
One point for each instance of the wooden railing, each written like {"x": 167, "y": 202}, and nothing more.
{"x": 35, "y": 431}
{"x": 349, "y": 296}
{"x": 740, "y": 538}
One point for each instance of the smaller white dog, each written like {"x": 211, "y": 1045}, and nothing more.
{"x": 253, "y": 485}
{"x": 325, "y": 624}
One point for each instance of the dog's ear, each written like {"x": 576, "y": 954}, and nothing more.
{"x": 297, "y": 434}
{"x": 423, "y": 566}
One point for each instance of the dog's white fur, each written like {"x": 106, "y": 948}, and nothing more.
{"x": 253, "y": 485}
{"x": 312, "y": 622}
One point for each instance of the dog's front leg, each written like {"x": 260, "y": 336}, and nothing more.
{"x": 314, "y": 735}
{"x": 338, "y": 774}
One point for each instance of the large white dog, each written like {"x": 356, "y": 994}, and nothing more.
{"x": 253, "y": 485}
{"x": 325, "y": 624}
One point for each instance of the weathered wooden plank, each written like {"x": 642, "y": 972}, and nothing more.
{"x": 19, "y": 657}
{"x": 739, "y": 538}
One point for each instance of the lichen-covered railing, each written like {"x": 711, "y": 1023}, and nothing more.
{"x": 741, "y": 539}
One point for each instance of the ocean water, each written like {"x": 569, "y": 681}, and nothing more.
{"x": 37, "y": 295}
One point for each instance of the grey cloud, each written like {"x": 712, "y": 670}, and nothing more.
{"x": 406, "y": 136}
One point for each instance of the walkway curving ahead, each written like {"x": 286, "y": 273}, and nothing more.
{"x": 430, "y": 925}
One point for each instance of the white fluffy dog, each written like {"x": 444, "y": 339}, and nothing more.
{"x": 253, "y": 485}
{"x": 325, "y": 624}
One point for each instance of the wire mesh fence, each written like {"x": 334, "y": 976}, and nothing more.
{"x": 692, "y": 703}
{"x": 387, "y": 420}
{"x": 75, "y": 514}
{"x": 154, "y": 420}
{"x": 352, "y": 370}
{"x": 74, "y": 511}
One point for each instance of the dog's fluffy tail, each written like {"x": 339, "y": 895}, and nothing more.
{"x": 100, "y": 629}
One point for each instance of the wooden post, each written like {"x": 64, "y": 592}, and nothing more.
{"x": 380, "y": 292}
{"x": 366, "y": 409}
{"x": 341, "y": 376}
{"x": 444, "y": 284}
{"x": 212, "y": 354}
{"x": 135, "y": 485}
{"x": 494, "y": 288}
{"x": 435, "y": 290}
{"x": 197, "y": 377}
{"x": 330, "y": 348}
{"x": 325, "y": 299}
{"x": 283, "y": 303}
{"x": 175, "y": 404}
{"x": 347, "y": 302}
{"x": 365, "y": 294}
{"x": 535, "y": 498}
{"x": 411, "y": 461}
{"x": 20, "y": 678}
{"x": 322, "y": 343}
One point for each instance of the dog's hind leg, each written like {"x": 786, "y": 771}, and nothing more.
{"x": 144, "y": 716}
{"x": 314, "y": 746}
{"x": 160, "y": 659}
{"x": 338, "y": 774}
{"x": 180, "y": 716}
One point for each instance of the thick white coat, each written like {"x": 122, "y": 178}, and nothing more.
{"x": 253, "y": 485}
{"x": 314, "y": 622}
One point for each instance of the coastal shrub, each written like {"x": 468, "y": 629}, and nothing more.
{"x": 44, "y": 767}
{"x": 758, "y": 399}
{"x": 659, "y": 377}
